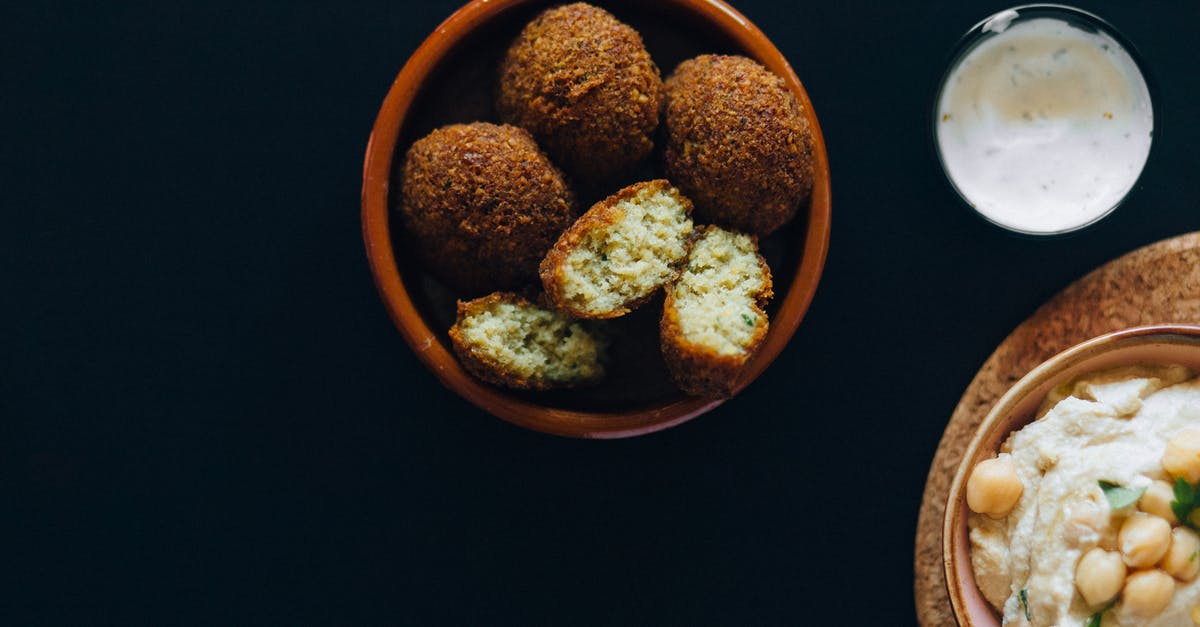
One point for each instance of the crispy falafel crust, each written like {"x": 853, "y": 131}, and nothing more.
{"x": 485, "y": 367}
{"x": 700, "y": 370}
{"x": 737, "y": 143}
{"x": 583, "y": 83}
{"x": 602, "y": 215}
{"x": 482, "y": 204}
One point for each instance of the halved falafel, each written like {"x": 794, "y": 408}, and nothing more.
{"x": 619, "y": 252}
{"x": 737, "y": 143}
{"x": 507, "y": 340}
{"x": 583, "y": 83}
{"x": 482, "y": 205}
{"x": 713, "y": 319}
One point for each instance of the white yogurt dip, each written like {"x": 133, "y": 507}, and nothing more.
{"x": 1044, "y": 127}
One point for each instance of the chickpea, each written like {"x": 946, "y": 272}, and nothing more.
{"x": 1157, "y": 501}
{"x": 1182, "y": 560}
{"x": 994, "y": 487}
{"x": 1148, "y": 592}
{"x": 1182, "y": 456}
{"x": 1099, "y": 576}
{"x": 1144, "y": 539}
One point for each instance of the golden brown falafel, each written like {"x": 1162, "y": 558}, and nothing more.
{"x": 737, "y": 143}
{"x": 616, "y": 256}
{"x": 505, "y": 339}
{"x": 482, "y": 205}
{"x": 713, "y": 320}
{"x": 582, "y": 82}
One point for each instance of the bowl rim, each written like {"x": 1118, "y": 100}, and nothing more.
{"x": 377, "y": 166}
{"x": 1169, "y": 333}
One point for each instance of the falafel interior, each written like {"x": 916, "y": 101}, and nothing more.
{"x": 713, "y": 320}
{"x": 622, "y": 250}
{"x": 718, "y": 294}
{"x": 507, "y": 340}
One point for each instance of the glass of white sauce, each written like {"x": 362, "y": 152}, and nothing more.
{"x": 1043, "y": 121}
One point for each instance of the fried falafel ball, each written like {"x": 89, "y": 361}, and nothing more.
{"x": 583, "y": 83}
{"x": 482, "y": 205}
{"x": 737, "y": 143}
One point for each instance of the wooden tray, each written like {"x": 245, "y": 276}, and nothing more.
{"x": 1156, "y": 284}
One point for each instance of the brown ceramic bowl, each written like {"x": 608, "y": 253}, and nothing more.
{"x": 1158, "y": 345}
{"x": 450, "y": 78}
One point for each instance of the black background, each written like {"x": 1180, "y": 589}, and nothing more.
{"x": 211, "y": 418}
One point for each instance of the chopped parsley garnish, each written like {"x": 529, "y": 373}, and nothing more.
{"x": 1186, "y": 497}
{"x": 1120, "y": 497}
{"x": 603, "y": 257}
{"x": 748, "y": 320}
{"x": 1024, "y": 597}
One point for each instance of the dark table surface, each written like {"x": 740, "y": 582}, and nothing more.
{"x": 211, "y": 419}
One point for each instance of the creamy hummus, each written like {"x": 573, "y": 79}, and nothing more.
{"x": 1110, "y": 426}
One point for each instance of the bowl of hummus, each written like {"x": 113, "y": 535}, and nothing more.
{"x": 1077, "y": 501}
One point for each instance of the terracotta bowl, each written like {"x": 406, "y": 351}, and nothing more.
{"x": 1158, "y": 345}
{"x": 450, "y": 78}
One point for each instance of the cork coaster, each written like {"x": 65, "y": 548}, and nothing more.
{"x": 1156, "y": 284}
